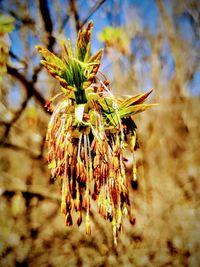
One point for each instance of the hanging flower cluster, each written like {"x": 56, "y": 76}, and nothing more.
{"x": 87, "y": 134}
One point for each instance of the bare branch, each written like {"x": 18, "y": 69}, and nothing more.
{"x": 15, "y": 118}
{"x": 22, "y": 149}
{"x": 44, "y": 9}
{"x": 24, "y": 20}
{"x": 74, "y": 10}
{"x": 28, "y": 193}
{"x": 13, "y": 55}
{"x": 31, "y": 91}
{"x": 28, "y": 85}
{"x": 91, "y": 12}
{"x": 64, "y": 22}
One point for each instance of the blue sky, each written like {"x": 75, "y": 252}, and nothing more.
{"x": 149, "y": 15}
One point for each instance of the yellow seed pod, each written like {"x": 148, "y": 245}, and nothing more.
{"x": 116, "y": 164}
{"x": 63, "y": 207}
{"x": 82, "y": 167}
{"x": 69, "y": 123}
{"x": 115, "y": 233}
{"x": 82, "y": 153}
{"x": 88, "y": 226}
{"x": 70, "y": 149}
{"x": 102, "y": 168}
{"x": 134, "y": 172}
{"x": 77, "y": 204}
{"x": 133, "y": 141}
{"x": 77, "y": 168}
{"x": 125, "y": 211}
{"x": 70, "y": 160}
{"x": 91, "y": 172}
{"x": 95, "y": 162}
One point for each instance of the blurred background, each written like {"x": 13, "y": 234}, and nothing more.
{"x": 147, "y": 44}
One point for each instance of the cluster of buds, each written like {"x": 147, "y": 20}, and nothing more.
{"x": 87, "y": 134}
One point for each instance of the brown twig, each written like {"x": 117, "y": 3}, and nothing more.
{"x": 91, "y": 12}
{"x": 64, "y": 22}
{"x": 74, "y": 10}
{"x": 13, "y": 55}
{"x": 44, "y": 9}
{"x": 31, "y": 91}
{"x": 28, "y": 193}
{"x": 23, "y": 149}
{"x": 15, "y": 118}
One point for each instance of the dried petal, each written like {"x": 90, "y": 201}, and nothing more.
{"x": 79, "y": 220}
{"x": 69, "y": 221}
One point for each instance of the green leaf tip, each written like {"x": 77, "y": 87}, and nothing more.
{"x": 76, "y": 70}
{"x": 7, "y": 23}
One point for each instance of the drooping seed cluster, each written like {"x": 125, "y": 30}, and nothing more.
{"x": 87, "y": 134}
{"x": 88, "y": 161}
